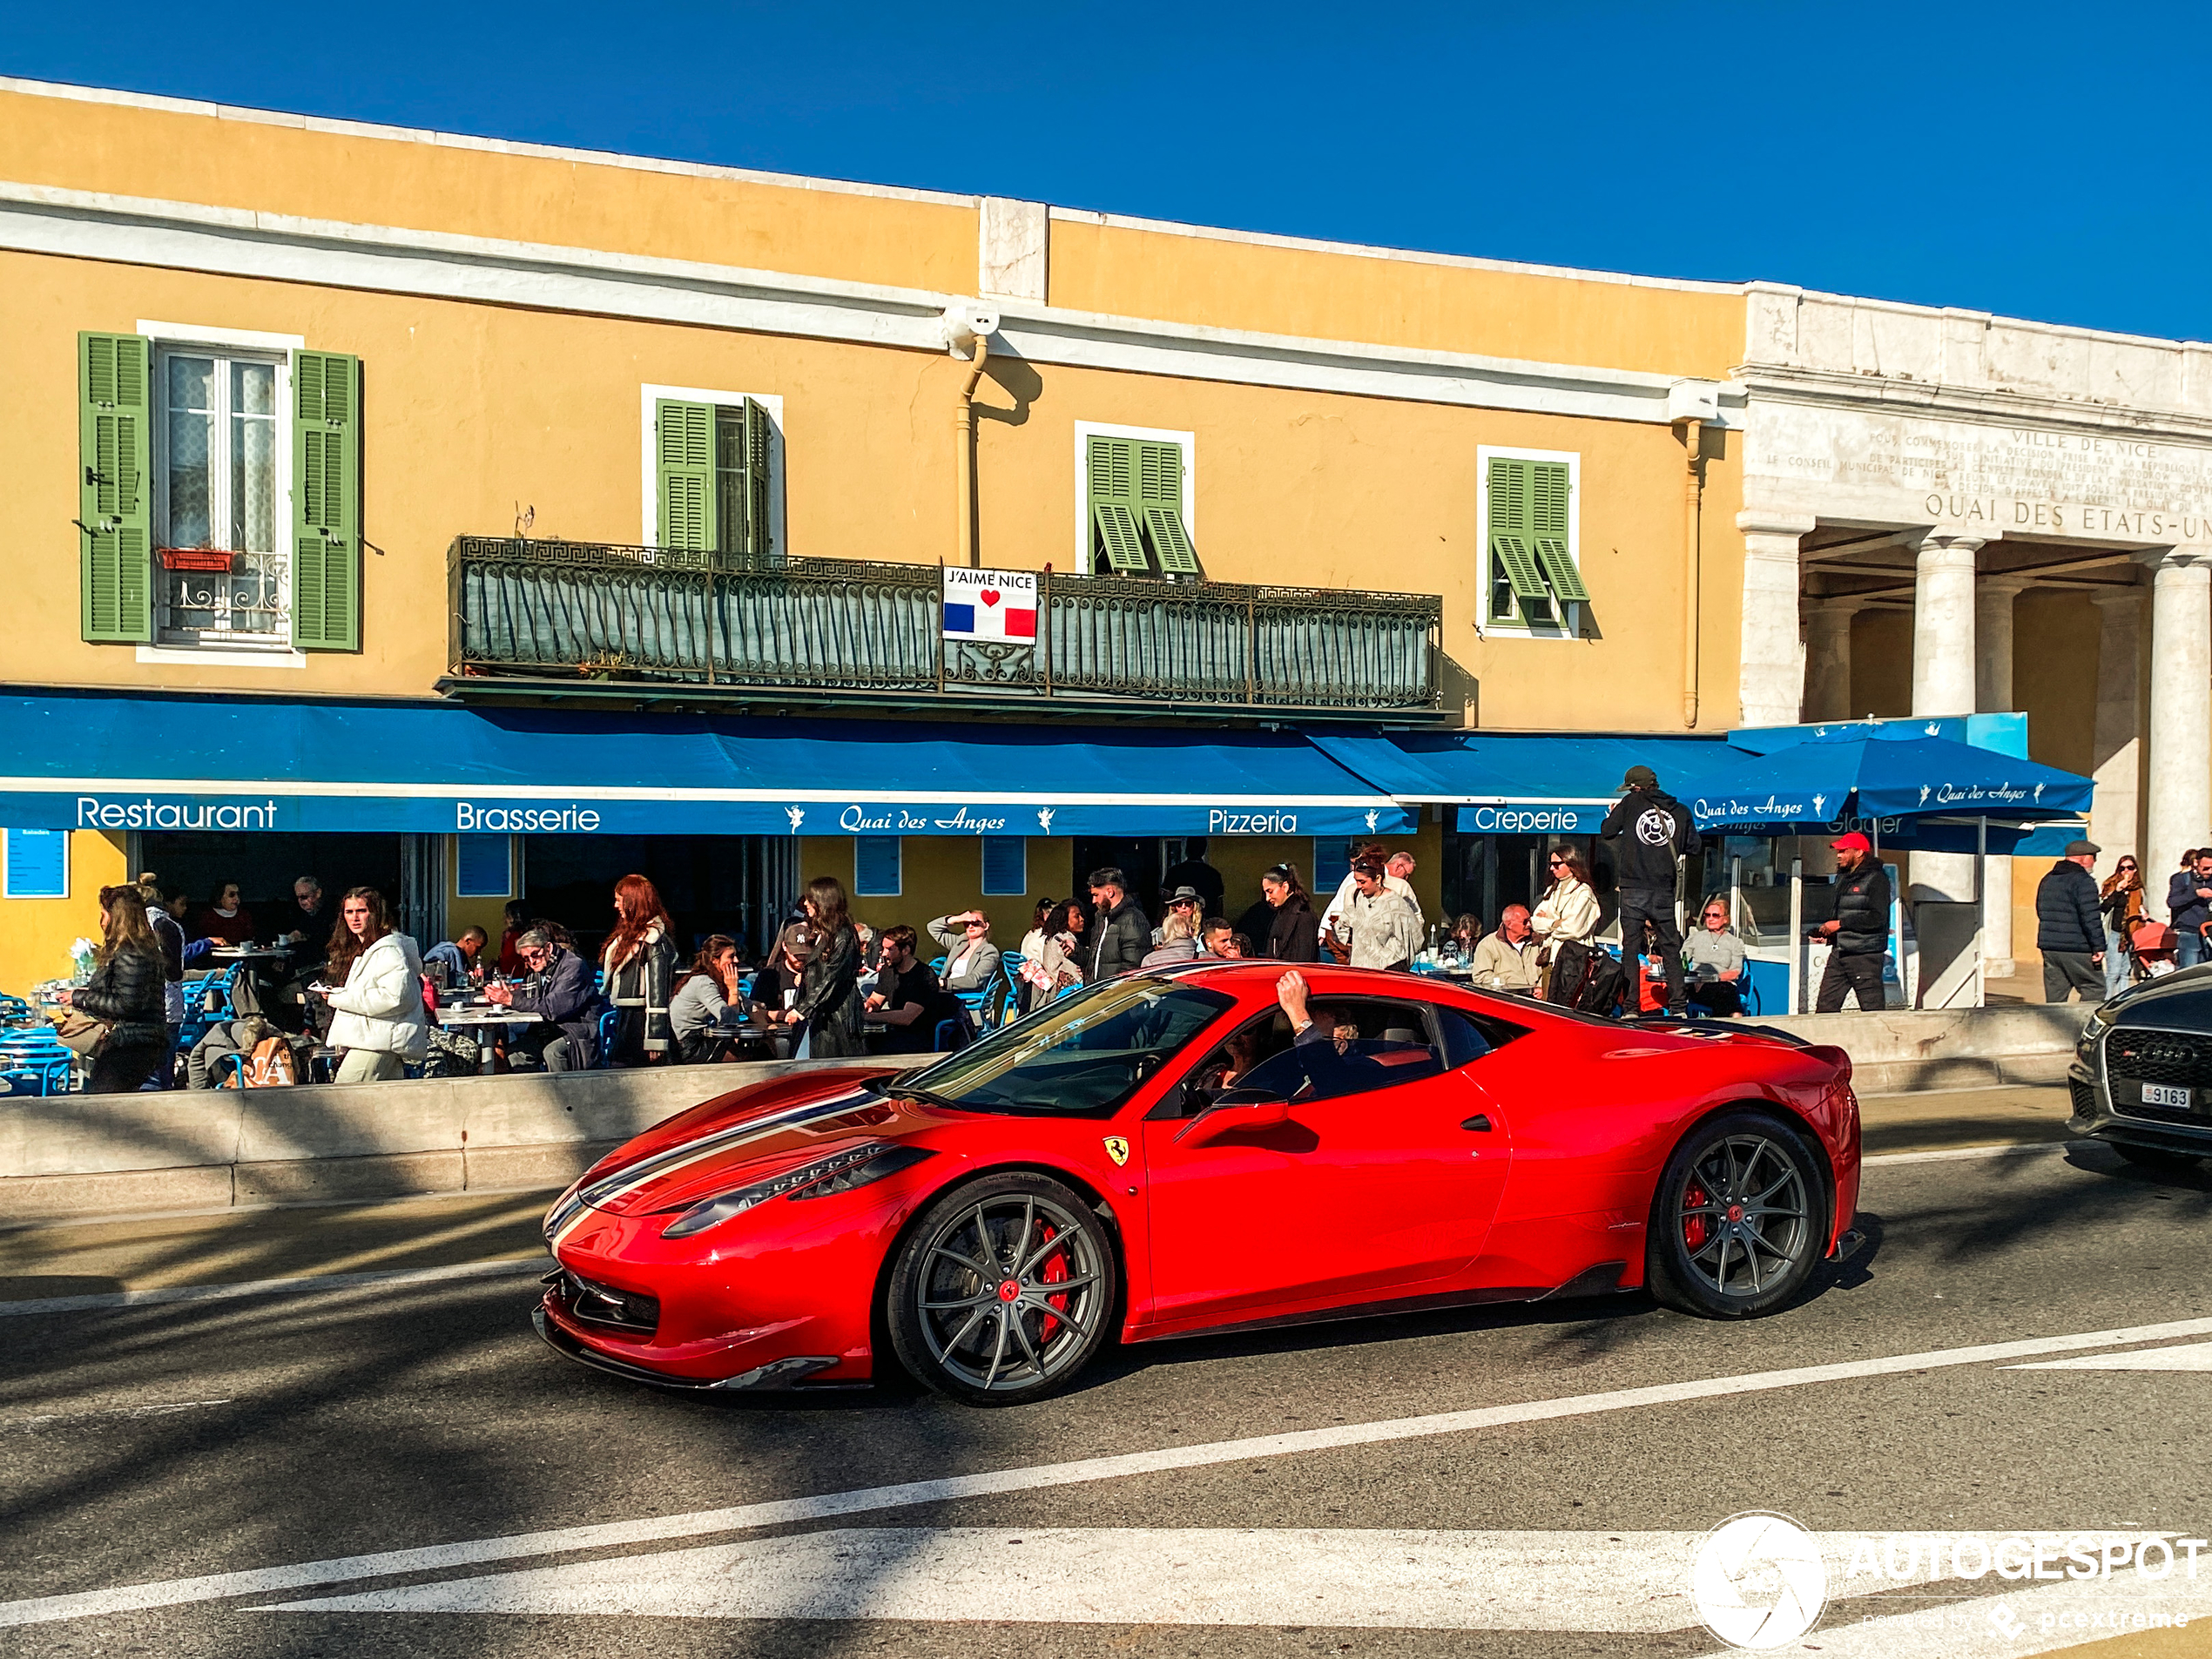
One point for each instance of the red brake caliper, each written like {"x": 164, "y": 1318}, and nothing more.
{"x": 1055, "y": 1270}
{"x": 1694, "y": 1229}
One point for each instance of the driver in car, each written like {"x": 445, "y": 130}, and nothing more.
{"x": 1326, "y": 1051}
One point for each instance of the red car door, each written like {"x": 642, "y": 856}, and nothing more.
{"x": 1358, "y": 1197}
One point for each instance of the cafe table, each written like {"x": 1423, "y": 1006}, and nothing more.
{"x": 481, "y": 1020}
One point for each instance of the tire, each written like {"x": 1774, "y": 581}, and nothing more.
{"x": 1021, "y": 1327}
{"x": 1740, "y": 1219}
{"x": 2155, "y": 1158}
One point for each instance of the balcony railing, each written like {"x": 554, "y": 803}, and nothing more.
{"x": 555, "y": 610}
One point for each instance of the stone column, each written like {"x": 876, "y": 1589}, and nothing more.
{"x": 1771, "y": 672}
{"x": 2116, "y": 748}
{"x": 1828, "y": 658}
{"x": 1943, "y": 676}
{"x": 1993, "y": 695}
{"x": 2181, "y": 671}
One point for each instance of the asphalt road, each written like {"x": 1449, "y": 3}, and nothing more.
{"x": 170, "y": 1440}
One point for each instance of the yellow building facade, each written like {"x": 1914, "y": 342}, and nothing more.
{"x": 522, "y": 326}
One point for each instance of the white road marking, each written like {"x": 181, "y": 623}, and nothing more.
{"x": 2047, "y": 1619}
{"x": 2193, "y": 1356}
{"x": 1615, "y": 1583}
{"x": 781, "y": 1512}
{"x": 2004, "y": 1150}
{"x": 397, "y": 1279}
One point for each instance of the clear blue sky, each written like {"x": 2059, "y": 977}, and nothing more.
{"x": 2028, "y": 159}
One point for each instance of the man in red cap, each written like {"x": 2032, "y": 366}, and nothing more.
{"x": 1860, "y": 932}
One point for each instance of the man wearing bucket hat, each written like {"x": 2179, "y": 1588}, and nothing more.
{"x": 1860, "y": 932}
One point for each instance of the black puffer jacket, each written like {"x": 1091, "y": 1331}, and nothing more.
{"x": 125, "y": 990}
{"x": 1862, "y": 906}
{"x": 2067, "y": 914}
{"x": 1121, "y": 939}
{"x": 1648, "y": 829}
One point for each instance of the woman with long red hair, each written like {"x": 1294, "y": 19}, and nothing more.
{"x": 638, "y": 963}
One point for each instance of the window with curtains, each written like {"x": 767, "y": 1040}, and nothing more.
{"x": 1533, "y": 579}
{"x": 218, "y": 495}
{"x": 223, "y": 572}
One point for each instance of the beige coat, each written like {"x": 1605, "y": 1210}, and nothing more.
{"x": 1568, "y": 914}
{"x": 1497, "y": 965}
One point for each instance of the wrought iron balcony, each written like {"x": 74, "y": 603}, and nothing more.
{"x": 570, "y": 612}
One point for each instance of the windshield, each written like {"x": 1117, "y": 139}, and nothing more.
{"x": 1082, "y": 1056}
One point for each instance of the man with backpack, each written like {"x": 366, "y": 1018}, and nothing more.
{"x": 1650, "y": 833}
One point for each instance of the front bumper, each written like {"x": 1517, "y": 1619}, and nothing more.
{"x": 776, "y": 1374}
{"x": 2096, "y": 1116}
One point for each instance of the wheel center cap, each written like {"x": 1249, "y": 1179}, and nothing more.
{"x": 1736, "y": 1212}
{"x": 1009, "y": 1291}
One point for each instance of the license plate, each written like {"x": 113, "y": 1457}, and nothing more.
{"x": 2165, "y": 1094}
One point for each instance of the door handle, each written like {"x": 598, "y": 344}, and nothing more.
{"x": 1479, "y": 1123}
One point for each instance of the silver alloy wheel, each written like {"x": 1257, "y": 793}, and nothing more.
{"x": 1008, "y": 1293}
{"x": 1746, "y": 1218}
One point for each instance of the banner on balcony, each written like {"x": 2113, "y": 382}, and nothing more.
{"x": 995, "y": 605}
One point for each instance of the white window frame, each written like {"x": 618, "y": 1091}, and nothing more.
{"x": 166, "y": 337}
{"x": 894, "y": 892}
{"x": 649, "y": 398}
{"x": 1085, "y": 431}
{"x": 1569, "y": 625}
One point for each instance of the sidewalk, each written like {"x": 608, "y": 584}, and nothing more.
{"x": 1933, "y": 1120}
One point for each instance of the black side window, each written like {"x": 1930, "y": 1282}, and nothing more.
{"x": 1469, "y": 1036}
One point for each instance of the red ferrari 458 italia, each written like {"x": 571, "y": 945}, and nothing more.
{"x": 1196, "y": 1150}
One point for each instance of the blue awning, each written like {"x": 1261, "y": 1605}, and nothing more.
{"x": 120, "y": 762}
{"x": 1520, "y": 783}
{"x": 1832, "y": 787}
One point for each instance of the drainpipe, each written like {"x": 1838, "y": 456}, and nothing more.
{"x": 968, "y": 328}
{"x": 1691, "y": 405}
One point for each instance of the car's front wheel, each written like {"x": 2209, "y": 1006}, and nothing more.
{"x": 1003, "y": 1291}
{"x": 1739, "y": 1220}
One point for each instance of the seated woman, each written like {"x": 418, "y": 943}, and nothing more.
{"x": 705, "y": 1008}
{"x": 227, "y": 920}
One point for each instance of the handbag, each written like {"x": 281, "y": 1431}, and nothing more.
{"x": 82, "y": 1034}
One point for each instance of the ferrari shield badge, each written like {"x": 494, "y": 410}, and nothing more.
{"x": 1118, "y": 1149}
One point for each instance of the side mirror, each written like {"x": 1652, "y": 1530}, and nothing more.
{"x": 1229, "y": 1113}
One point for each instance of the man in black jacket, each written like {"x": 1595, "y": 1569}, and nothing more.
{"x": 1120, "y": 936}
{"x": 2069, "y": 927}
{"x": 1649, "y": 831}
{"x": 2188, "y": 902}
{"x": 1860, "y": 932}
{"x": 561, "y": 992}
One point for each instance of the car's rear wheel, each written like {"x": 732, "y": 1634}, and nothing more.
{"x": 1739, "y": 1221}
{"x": 2155, "y": 1158}
{"x": 1003, "y": 1291}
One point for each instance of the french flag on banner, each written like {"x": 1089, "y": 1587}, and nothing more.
{"x": 991, "y": 604}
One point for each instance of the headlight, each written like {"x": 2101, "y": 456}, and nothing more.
{"x": 2092, "y": 1033}
{"x": 839, "y": 1172}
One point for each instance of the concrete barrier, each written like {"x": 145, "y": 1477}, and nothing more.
{"x": 1906, "y": 1049}
{"x": 75, "y": 1154}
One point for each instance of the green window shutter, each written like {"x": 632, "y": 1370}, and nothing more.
{"x": 1159, "y": 493}
{"x": 759, "y": 540}
{"x": 1548, "y": 520}
{"x": 114, "y": 503}
{"x": 1111, "y": 463}
{"x": 325, "y": 501}
{"x": 684, "y": 451}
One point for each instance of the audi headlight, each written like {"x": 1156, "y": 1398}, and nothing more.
{"x": 839, "y": 1172}
{"x": 2092, "y": 1033}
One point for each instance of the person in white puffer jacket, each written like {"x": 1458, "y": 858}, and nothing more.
{"x": 377, "y": 1015}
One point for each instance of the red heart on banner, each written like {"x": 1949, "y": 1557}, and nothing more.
{"x": 991, "y": 597}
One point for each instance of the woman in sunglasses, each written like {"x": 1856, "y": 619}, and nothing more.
{"x": 1715, "y": 956}
{"x": 2121, "y": 901}
{"x": 1566, "y": 921}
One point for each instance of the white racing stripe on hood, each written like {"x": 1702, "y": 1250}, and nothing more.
{"x": 600, "y": 1193}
